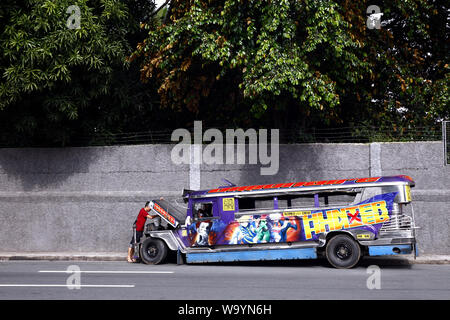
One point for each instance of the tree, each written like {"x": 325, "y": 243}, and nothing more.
{"x": 256, "y": 54}
{"x": 232, "y": 63}
{"x": 407, "y": 85}
{"x": 59, "y": 82}
{"x": 300, "y": 63}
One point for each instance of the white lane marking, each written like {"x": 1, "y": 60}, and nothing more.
{"x": 65, "y": 285}
{"x": 104, "y": 271}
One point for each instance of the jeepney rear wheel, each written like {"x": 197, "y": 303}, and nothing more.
{"x": 153, "y": 251}
{"x": 343, "y": 252}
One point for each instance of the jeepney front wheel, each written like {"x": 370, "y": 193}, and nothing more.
{"x": 343, "y": 252}
{"x": 153, "y": 251}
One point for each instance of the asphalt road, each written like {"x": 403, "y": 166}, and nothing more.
{"x": 237, "y": 281}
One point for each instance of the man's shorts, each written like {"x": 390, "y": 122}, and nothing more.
{"x": 139, "y": 235}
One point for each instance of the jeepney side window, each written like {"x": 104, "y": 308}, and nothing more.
{"x": 255, "y": 203}
{"x": 202, "y": 210}
{"x": 297, "y": 201}
{"x": 325, "y": 199}
{"x": 332, "y": 199}
{"x": 371, "y": 192}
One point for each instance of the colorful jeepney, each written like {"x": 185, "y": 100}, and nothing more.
{"x": 342, "y": 220}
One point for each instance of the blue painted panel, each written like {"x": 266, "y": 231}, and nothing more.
{"x": 389, "y": 250}
{"x": 252, "y": 255}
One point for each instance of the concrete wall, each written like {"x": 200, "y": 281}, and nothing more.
{"x": 80, "y": 199}
{"x": 85, "y": 199}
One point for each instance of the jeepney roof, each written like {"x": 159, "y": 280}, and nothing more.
{"x": 298, "y": 187}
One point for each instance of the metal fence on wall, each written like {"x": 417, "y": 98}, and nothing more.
{"x": 356, "y": 134}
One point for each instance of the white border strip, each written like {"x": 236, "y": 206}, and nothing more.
{"x": 104, "y": 271}
{"x": 71, "y": 286}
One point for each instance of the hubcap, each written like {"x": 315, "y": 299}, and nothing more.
{"x": 152, "y": 251}
{"x": 343, "y": 251}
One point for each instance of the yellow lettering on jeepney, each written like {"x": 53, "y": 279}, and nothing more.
{"x": 355, "y": 220}
{"x": 380, "y": 211}
{"x": 295, "y": 213}
{"x": 345, "y": 218}
{"x": 310, "y": 225}
{"x": 322, "y": 222}
{"x": 316, "y": 222}
{"x": 341, "y": 219}
{"x": 366, "y": 213}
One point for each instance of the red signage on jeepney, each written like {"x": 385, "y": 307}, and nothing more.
{"x": 164, "y": 213}
{"x": 293, "y": 185}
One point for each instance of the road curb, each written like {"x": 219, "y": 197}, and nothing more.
{"x": 63, "y": 256}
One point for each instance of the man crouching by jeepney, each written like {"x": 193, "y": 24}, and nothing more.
{"x": 140, "y": 223}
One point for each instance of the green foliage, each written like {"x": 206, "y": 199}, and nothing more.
{"x": 407, "y": 85}
{"x": 312, "y": 62}
{"x": 57, "y": 82}
{"x": 232, "y": 63}
{"x": 271, "y": 49}
{"x": 43, "y": 53}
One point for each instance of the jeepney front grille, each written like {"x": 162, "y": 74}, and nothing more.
{"x": 398, "y": 222}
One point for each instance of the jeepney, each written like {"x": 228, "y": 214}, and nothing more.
{"x": 342, "y": 220}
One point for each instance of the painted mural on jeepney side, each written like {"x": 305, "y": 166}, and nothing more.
{"x": 204, "y": 233}
{"x": 291, "y": 226}
{"x": 250, "y": 229}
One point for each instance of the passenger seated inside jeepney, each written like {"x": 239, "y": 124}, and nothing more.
{"x": 203, "y": 211}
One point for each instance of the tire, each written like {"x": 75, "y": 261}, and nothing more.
{"x": 153, "y": 251}
{"x": 343, "y": 252}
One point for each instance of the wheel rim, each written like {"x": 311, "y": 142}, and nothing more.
{"x": 152, "y": 251}
{"x": 343, "y": 251}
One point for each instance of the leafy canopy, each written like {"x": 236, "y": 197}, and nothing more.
{"x": 57, "y": 82}
{"x": 270, "y": 49}
{"x": 301, "y": 63}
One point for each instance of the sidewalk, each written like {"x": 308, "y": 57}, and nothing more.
{"x": 409, "y": 259}
{"x": 121, "y": 256}
{"x": 71, "y": 256}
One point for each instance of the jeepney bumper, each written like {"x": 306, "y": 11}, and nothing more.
{"x": 400, "y": 243}
{"x": 390, "y": 250}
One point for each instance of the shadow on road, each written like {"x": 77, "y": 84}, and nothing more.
{"x": 382, "y": 262}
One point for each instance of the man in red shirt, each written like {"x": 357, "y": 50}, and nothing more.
{"x": 140, "y": 223}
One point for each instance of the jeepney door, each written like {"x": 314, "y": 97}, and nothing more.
{"x": 208, "y": 220}
{"x": 204, "y": 218}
